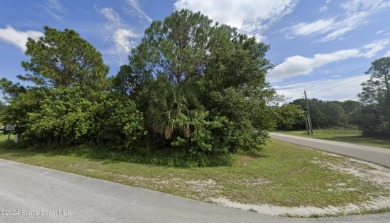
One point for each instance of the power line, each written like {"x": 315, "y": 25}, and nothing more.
{"x": 343, "y": 77}
{"x": 351, "y": 82}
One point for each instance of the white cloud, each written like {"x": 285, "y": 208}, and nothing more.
{"x": 319, "y": 26}
{"x": 387, "y": 54}
{"x": 370, "y": 50}
{"x": 250, "y": 16}
{"x": 18, "y": 38}
{"x": 342, "y": 27}
{"x": 333, "y": 28}
{"x": 380, "y": 32}
{"x": 356, "y": 13}
{"x": 119, "y": 34}
{"x": 110, "y": 15}
{"x": 298, "y": 65}
{"x": 360, "y": 5}
{"x": 122, "y": 42}
{"x": 331, "y": 89}
{"x": 136, "y": 10}
{"x": 324, "y": 7}
{"x": 55, "y": 9}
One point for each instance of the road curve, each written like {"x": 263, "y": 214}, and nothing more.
{"x": 367, "y": 153}
{"x": 35, "y": 194}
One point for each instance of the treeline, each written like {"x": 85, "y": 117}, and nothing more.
{"x": 328, "y": 114}
{"x": 192, "y": 89}
{"x": 371, "y": 114}
{"x": 372, "y": 119}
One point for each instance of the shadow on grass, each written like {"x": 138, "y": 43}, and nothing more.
{"x": 159, "y": 158}
{"x": 12, "y": 152}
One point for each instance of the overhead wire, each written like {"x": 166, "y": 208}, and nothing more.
{"x": 343, "y": 77}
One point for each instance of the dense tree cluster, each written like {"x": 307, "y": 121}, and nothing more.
{"x": 326, "y": 114}
{"x": 68, "y": 102}
{"x": 201, "y": 87}
{"x": 191, "y": 86}
{"x": 374, "y": 119}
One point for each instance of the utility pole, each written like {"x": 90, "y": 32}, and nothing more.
{"x": 308, "y": 119}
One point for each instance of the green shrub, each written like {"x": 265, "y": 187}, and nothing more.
{"x": 67, "y": 117}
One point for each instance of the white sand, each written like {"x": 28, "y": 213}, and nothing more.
{"x": 364, "y": 170}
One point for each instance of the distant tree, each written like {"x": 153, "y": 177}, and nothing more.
{"x": 375, "y": 117}
{"x": 371, "y": 121}
{"x": 352, "y": 109}
{"x": 324, "y": 114}
{"x": 288, "y": 116}
{"x": 335, "y": 115}
{"x": 377, "y": 88}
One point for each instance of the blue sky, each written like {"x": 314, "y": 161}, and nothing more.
{"x": 321, "y": 46}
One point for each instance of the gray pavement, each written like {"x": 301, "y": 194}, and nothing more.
{"x": 376, "y": 155}
{"x": 35, "y": 194}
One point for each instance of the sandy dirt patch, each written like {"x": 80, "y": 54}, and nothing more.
{"x": 364, "y": 170}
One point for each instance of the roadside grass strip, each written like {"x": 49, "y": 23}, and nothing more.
{"x": 282, "y": 179}
{"x": 349, "y": 135}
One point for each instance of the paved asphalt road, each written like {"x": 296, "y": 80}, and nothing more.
{"x": 35, "y": 194}
{"x": 368, "y": 153}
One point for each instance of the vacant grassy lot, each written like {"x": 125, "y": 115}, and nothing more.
{"x": 282, "y": 175}
{"x": 343, "y": 135}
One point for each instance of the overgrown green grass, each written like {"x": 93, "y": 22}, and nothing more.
{"x": 283, "y": 174}
{"x": 350, "y": 135}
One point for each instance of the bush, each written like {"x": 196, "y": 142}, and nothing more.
{"x": 67, "y": 117}
{"x": 372, "y": 121}
{"x": 116, "y": 124}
